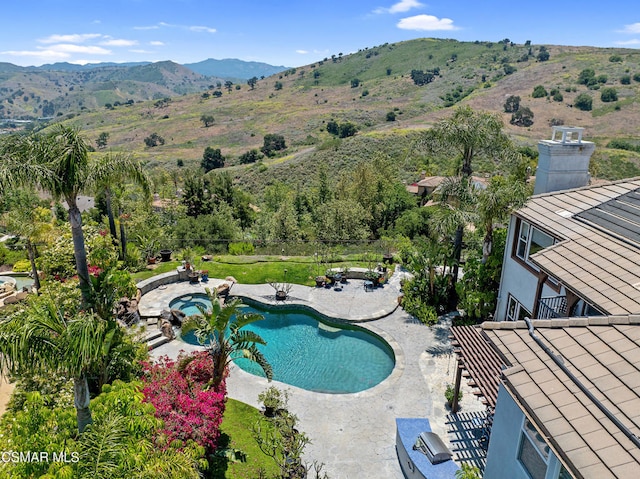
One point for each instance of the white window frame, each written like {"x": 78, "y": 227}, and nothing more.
{"x": 515, "y": 310}
{"x": 525, "y": 234}
{"x": 527, "y": 434}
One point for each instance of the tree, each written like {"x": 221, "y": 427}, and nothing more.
{"x": 512, "y": 104}
{"x": 219, "y": 330}
{"x": 101, "y": 141}
{"x": 277, "y": 85}
{"x": 539, "y": 91}
{"x": 252, "y": 82}
{"x": 43, "y": 340}
{"x": 250, "y": 156}
{"x": 33, "y": 224}
{"x": 207, "y": 120}
{"x": 608, "y": 95}
{"x": 228, "y": 85}
{"x": 583, "y": 102}
{"x": 114, "y": 169}
{"x": 273, "y": 143}
{"x": 471, "y": 135}
{"x": 587, "y": 76}
{"x": 355, "y": 83}
{"x": 211, "y": 159}
{"x": 153, "y": 140}
{"x": 522, "y": 117}
{"x": 543, "y": 54}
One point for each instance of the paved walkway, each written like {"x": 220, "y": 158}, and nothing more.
{"x": 354, "y": 434}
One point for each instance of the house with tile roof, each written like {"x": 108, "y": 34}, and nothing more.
{"x": 576, "y": 251}
{"x": 568, "y": 398}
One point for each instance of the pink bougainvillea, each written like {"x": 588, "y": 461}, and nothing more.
{"x": 179, "y": 390}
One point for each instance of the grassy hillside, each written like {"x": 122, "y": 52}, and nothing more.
{"x": 364, "y": 88}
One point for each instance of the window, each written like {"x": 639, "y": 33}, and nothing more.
{"x": 515, "y": 311}
{"x": 531, "y": 240}
{"x": 533, "y": 453}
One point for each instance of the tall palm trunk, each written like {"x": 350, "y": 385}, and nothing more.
{"x": 81, "y": 402}
{"x": 457, "y": 256}
{"x": 112, "y": 221}
{"x": 79, "y": 251}
{"x": 31, "y": 252}
{"x": 123, "y": 236}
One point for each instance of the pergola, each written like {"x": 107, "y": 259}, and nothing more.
{"x": 479, "y": 362}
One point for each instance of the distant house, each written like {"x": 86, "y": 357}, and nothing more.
{"x": 574, "y": 252}
{"x": 427, "y": 185}
{"x": 568, "y": 397}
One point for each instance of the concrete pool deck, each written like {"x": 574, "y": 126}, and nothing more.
{"x": 353, "y": 434}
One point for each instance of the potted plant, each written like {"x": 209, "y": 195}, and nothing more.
{"x": 165, "y": 255}
{"x": 320, "y": 281}
{"x": 330, "y": 275}
{"x": 449, "y": 394}
{"x": 345, "y": 271}
{"x": 274, "y": 400}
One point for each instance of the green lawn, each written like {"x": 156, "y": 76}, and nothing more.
{"x": 236, "y": 428}
{"x": 257, "y": 269}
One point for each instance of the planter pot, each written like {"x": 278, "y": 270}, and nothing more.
{"x": 165, "y": 255}
{"x": 151, "y": 260}
{"x": 281, "y": 295}
{"x": 320, "y": 281}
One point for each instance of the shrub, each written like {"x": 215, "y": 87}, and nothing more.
{"x": 583, "y": 102}
{"x": 539, "y": 91}
{"x": 509, "y": 69}
{"x": 449, "y": 393}
{"x": 557, "y": 96}
{"x": 608, "y": 95}
{"x": 22, "y": 266}
{"x": 512, "y": 104}
{"x": 153, "y": 140}
{"x": 241, "y": 248}
{"x": 391, "y": 116}
{"x": 615, "y": 58}
{"x": 179, "y": 392}
{"x": 586, "y": 76}
{"x": 625, "y": 79}
{"x": 636, "y": 77}
{"x": 522, "y": 117}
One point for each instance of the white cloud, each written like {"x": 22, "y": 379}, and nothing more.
{"x": 141, "y": 51}
{"x": 71, "y": 48}
{"x": 426, "y": 23}
{"x": 46, "y": 54}
{"x": 302, "y": 52}
{"x": 400, "y": 7}
{"x": 152, "y": 27}
{"x": 634, "y": 41}
{"x": 72, "y": 38}
{"x": 196, "y": 28}
{"x": 632, "y": 28}
{"x": 156, "y": 43}
{"x": 115, "y": 42}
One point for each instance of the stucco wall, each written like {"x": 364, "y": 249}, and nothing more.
{"x": 502, "y": 457}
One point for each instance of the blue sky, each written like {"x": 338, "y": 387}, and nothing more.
{"x": 291, "y": 33}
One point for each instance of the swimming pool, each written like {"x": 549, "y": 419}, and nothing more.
{"x": 310, "y": 353}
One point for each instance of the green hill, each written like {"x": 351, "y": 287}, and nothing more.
{"x": 365, "y": 88}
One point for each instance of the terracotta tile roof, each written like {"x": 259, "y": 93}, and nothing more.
{"x": 603, "y": 354}
{"x": 598, "y": 251}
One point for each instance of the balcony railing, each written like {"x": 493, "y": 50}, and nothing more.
{"x": 557, "y": 307}
{"x": 552, "y": 307}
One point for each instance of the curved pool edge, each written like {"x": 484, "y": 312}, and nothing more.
{"x": 386, "y": 338}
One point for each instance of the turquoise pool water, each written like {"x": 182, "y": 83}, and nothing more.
{"x": 308, "y": 353}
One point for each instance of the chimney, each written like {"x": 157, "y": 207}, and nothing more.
{"x": 563, "y": 161}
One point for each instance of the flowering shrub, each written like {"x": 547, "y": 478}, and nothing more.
{"x": 180, "y": 392}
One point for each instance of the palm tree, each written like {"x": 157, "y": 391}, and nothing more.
{"x": 219, "y": 330}
{"x": 112, "y": 169}
{"x": 34, "y": 225}
{"x": 58, "y": 163}
{"x": 496, "y": 203}
{"x": 41, "y": 339}
{"x": 471, "y": 135}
